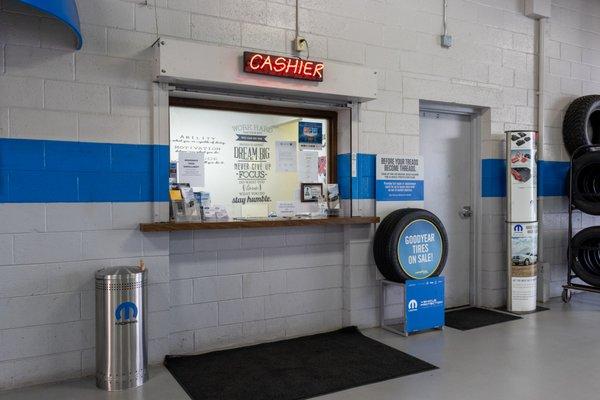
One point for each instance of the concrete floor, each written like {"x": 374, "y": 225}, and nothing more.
{"x": 548, "y": 355}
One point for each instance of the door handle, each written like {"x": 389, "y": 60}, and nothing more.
{"x": 466, "y": 212}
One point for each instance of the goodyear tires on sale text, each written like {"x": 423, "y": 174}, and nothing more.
{"x": 410, "y": 244}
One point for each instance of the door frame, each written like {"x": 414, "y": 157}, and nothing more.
{"x": 475, "y": 115}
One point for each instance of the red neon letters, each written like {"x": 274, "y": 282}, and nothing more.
{"x": 267, "y": 64}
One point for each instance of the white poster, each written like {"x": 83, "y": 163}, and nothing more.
{"x": 399, "y": 182}
{"x": 191, "y": 168}
{"x": 524, "y": 293}
{"x": 523, "y": 180}
{"x": 286, "y": 208}
{"x": 308, "y": 167}
{"x": 285, "y": 156}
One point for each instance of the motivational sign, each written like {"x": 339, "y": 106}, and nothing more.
{"x": 420, "y": 249}
{"x": 287, "y": 67}
{"x": 252, "y": 162}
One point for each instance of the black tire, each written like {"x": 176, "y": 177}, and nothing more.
{"x": 383, "y": 231}
{"x": 586, "y": 183}
{"x": 389, "y": 233}
{"x": 581, "y": 125}
{"x": 585, "y": 255}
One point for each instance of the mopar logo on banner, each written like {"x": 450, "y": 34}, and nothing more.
{"x": 518, "y": 228}
{"x": 412, "y": 305}
{"x": 425, "y": 309}
{"x": 126, "y": 313}
{"x": 420, "y": 249}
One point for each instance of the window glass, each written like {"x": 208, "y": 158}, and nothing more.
{"x": 251, "y": 160}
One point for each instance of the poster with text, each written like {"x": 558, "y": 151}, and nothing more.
{"x": 399, "y": 179}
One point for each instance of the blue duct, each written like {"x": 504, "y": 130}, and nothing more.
{"x": 64, "y": 10}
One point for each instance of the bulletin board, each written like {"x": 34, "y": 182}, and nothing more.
{"x": 253, "y": 156}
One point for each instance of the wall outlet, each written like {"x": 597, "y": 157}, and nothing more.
{"x": 299, "y": 43}
{"x": 446, "y": 41}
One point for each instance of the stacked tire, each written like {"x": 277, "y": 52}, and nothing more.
{"x": 585, "y": 255}
{"x": 581, "y": 126}
{"x": 581, "y": 133}
{"x": 397, "y": 231}
{"x": 586, "y": 182}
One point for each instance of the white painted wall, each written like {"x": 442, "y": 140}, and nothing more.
{"x": 573, "y": 70}
{"x": 201, "y": 296}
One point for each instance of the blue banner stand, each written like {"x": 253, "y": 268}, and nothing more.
{"x": 423, "y": 306}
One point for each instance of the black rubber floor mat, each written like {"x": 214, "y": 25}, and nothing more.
{"x": 292, "y": 369}
{"x": 474, "y": 317}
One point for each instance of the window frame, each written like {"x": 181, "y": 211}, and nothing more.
{"x": 330, "y": 116}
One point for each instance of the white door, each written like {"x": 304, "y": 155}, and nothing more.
{"x": 446, "y": 148}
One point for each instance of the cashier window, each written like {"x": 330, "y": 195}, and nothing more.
{"x": 254, "y": 156}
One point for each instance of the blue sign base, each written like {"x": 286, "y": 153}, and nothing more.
{"x": 423, "y": 305}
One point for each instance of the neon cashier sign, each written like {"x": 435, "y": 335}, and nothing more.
{"x": 286, "y": 67}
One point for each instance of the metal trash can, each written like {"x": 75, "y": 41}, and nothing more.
{"x": 121, "y": 344}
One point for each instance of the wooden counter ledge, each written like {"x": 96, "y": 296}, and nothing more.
{"x": 236, "y": 224}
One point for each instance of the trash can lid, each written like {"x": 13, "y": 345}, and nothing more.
{"x": 122, "y": 274}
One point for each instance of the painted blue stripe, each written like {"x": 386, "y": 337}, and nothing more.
{"x": 552, "y": 178}
{"x": 46, "y": 171}
{"x": 361, "y": 186}
{"x": 493, "y": 178}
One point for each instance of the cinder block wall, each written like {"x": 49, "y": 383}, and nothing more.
{"x": 573, "y": 70}
{"x": 235, "y": 287}
{"x": 214, "y": 291}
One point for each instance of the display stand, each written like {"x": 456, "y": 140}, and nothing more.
{"x": 423, "y": 304}
{"x": 521, "y": 221}
{"x": 566, "y": 293}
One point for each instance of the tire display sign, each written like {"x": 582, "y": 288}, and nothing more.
{"x": 424, "y": 304}
{"x": 410, "y": 243}
{"x": 399, "y": 180}
{"x": 420, "y": 249}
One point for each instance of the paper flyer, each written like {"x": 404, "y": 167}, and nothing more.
{"x": 191, "y": 168}
{"x": 286, "y": 208}
{"x": 308, "y": 166}
{"x": 285, "y": 156}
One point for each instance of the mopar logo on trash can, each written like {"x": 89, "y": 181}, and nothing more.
{"x": 420, "y": 249}
{"x": 126, "y": 313}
